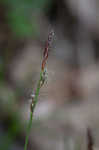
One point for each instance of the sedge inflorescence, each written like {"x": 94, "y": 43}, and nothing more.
{"x": 43, "y": 73}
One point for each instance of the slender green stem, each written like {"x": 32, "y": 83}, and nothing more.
{"x": 39, "y": 85}
{"x": 28, "y": 131}
{"x": 31, "y": 113}
{"x": 37, "y": 91}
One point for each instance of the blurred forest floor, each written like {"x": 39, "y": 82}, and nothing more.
{"x": 69, "y": 102}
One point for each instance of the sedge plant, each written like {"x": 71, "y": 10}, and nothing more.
{"x": 41, "y": 81}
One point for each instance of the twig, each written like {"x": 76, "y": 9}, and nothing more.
{"x": 90, "y": 139}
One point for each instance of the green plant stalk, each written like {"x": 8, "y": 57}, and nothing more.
{"x": 39, "y": 85}
{"x": 31, "y": 112}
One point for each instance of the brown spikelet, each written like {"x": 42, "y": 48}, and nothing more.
{"x": 46, "y": 50}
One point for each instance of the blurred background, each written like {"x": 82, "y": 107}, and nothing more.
{"x": 69, "y": 101}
